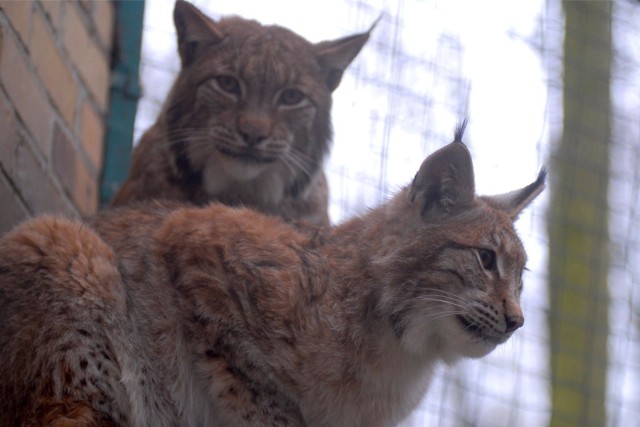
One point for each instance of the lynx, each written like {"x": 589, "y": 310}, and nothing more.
{"x": 163, "y": 315}
{"x": 247, "y": 121}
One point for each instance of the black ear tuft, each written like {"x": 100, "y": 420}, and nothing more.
{"x": 457, "y": 135}
{"x": 542, "y": 176}
{"x": 514, "y": 202}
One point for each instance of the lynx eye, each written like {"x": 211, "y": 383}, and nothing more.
{"x": 228, "y": 84}
{"x": 487, "y": 259}
{"x": 291, "y": 96}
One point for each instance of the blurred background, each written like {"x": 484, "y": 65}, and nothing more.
{"x": 543, "y": 83}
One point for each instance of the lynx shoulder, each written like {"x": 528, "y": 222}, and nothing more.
{"x": 247, "y": 121}
{"x": 158, "y": 315}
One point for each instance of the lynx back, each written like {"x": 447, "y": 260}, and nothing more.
{"x": 163, "y": 316}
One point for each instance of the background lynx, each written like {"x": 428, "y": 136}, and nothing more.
{"x": 222, "y": 316}
{"x": 247, "y": 120}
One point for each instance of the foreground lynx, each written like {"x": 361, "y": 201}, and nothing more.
{"x": 164, "y": 316}
{"x": 247, "y": 121}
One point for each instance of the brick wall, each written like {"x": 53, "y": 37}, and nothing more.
{"x": 54, "y": 86}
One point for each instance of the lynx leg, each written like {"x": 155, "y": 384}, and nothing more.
{"x": 245, "y": 396}
{"x": 62, "y": 312}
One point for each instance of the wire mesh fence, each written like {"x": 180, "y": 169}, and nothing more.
{"x": 508, "y": 66}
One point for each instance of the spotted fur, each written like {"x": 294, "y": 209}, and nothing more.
{"x": 168, "y": 315}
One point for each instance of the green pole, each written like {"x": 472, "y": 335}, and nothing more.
{"x": 124, "y": 94}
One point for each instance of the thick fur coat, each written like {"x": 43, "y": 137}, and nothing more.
{"x": 164, "y": 315}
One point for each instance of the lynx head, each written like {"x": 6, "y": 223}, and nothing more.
{"x": 458, "y": 273}
{"x": 252, "y": 99}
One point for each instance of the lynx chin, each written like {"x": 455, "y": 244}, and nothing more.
{"x": 169, "y": 315}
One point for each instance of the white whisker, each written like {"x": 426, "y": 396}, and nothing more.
{"x": 425, "y": 314}
{"x": 441, "y": 299}
{"x": 298, "y": 160}
{"x": 451, "y": 295}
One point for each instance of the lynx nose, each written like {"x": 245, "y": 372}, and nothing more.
{"x": 253, "y": 130}
{"x": 513, "y": 321}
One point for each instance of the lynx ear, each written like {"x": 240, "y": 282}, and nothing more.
{"x": 445, "y": 183}
{"x": 336, "y": 55}
{"x": 194, "y": 30}
{"x": 514, "y": 202}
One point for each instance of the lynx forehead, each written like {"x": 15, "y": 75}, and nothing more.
{"x": 247, "y": 121}
{"x": 169, "y": 315}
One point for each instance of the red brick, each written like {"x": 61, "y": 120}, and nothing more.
{"x": 52, "y": 69}
{"x": 87, "y": 193}
{"x": 10, "y": 138}
{"x": 36, "y": 186}
{"x": 13, "y": 211}
{"x": 86, "y": 5}
{"x": 19, "y": 14}
{"x": 73, "y": 173}
{"x": 103, "y": 16}
{"x": 52, "y": 8}
{"x": 86, "y": 56}
{"x": 92, "y": 135}
{"x": 22, "y": 167}
{"x": 64, "y": 160}
{"x": 28, "y": 97}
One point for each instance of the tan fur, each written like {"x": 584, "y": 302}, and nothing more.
{"x": 247, "y": 121}
{"x": 168, "y": 315}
